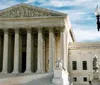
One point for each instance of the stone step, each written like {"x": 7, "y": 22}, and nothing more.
{"x": 29, "y": 79}
{"x": 8, "y": 75}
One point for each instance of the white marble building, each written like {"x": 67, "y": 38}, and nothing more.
{"x": 83, "y": 53}
{"x": 33, "y": 39}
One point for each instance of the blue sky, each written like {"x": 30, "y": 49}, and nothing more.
{"x": 81, "y": 13}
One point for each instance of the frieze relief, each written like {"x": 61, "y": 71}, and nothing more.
{"x": 24, "y": 10}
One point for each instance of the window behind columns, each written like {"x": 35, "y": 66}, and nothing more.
{"x": 34, "y": 52}
{"x": 10, "y": 51}
{"x": 46, "y": 51}
{"x": 23, "y": 52}
{"x": 1, "y": 51}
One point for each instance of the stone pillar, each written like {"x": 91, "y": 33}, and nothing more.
{"x": 28, "y": 51}
{"x": 66, "y": 51}
{"x": 51, "y": 50}
{"x": 16, "y": 52}
{"x": 5, "y": 51}
{"x": 63, "y": 48}
{"x": 40, "y": 52}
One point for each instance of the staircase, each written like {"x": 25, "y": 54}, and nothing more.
{"x": 28, "y": 79}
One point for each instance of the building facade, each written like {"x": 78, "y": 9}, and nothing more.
{"x": 32, "y": 39}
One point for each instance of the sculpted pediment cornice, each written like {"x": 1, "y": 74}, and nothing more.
{"x": 25, "y": 10}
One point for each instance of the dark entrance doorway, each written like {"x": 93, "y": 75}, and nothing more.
{"x": 23, "y": 61}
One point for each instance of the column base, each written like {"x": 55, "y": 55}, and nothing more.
{"x": 39, "y": 71}
{"x": 27, "y": 71}
{"x": 15, "y": 71}
{"x": 51, "y": 70}
{"x": 4, "y": 72}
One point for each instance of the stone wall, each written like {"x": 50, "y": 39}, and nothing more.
{"x": 83, "y": 51}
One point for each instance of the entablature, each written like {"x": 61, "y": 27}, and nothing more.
{"x": 84, "y": 45}
{"x": 33, "y": 22}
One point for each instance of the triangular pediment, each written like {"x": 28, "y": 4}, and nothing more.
{"x": 25, "y": 10}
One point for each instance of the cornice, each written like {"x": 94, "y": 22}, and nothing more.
{"x": 33, "y": 18}
{"x": 84, "y": 45}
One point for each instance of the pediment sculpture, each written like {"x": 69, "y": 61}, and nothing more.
{"x": 25, "y": 10}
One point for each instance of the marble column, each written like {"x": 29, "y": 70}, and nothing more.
{"x": 51, "y": 50}
{"x": 28, "y": 51}
{"x": 40, "y": 52}
{"x": 5, "y": 51}
{"x": 16, "y": 52}
{"x": 67, "y": 42}
{"x": 62, "y": 46}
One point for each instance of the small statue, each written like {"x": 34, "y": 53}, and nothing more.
{"x": 95, "y": 63}
{"x": 59, "y": 63}
{"x": 95, "y": 68}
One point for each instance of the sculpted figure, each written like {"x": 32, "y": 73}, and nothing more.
{"x": 95, "y": 63}
{"x": 59, "y": 63}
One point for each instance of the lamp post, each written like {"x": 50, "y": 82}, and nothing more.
{"x": 97, "y": 14}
